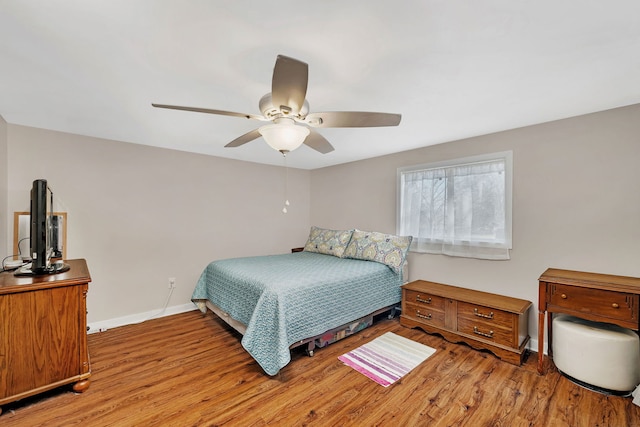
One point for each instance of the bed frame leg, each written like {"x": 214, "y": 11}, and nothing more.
{"x": 393, "y": 312}
{"x": 310, "y": 347}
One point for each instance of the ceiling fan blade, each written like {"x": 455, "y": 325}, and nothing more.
{"x": 351, "y": 119}
{"x": 289, "y": 84}
{"x": 318, "y": 142}
{"x": 210, "y": 111}
{"x": 241, "y": 140}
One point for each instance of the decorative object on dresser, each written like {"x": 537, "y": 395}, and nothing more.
{"x": 22, "y": 229}
{"x": 43, "y": 332}
{"x": 591, "y": 296}
{"x": 482, "y": 320}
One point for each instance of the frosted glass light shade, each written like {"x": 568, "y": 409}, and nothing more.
{"x": 284, "y": 136}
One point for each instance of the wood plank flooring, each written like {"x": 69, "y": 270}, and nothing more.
{"x": 191, "y": 370}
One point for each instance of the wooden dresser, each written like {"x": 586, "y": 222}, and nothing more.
{"x": 43, "y": 332}
{"x": 482, "y": 320}
{"x": 591, "y": 296}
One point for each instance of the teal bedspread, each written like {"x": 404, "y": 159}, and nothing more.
{"x": 283, "y": 299}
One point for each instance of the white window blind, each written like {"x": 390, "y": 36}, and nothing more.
{"x": 459, "y": 208}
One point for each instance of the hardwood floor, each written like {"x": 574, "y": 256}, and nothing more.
{"x": 191, "y": 370}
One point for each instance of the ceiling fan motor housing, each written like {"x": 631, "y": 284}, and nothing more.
{"x": 271, "y": 112}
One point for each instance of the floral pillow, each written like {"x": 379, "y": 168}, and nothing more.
{"x": 383, "y": 248}
{"x": 328, "y": 242}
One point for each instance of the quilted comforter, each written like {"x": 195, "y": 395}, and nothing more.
{"x": 283, "y": 299}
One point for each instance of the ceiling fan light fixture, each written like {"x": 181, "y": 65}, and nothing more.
{"x": 284, "y": 135}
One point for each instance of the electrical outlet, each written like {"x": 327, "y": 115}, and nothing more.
{"x": 172, "y": 282}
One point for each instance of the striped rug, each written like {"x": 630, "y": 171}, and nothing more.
{"x": 387, "y": 358}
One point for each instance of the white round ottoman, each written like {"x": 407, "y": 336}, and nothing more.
{"x": 599, "y": 354}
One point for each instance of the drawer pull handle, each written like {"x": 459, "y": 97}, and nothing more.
{"x": 486, "y": 316}
{"x": 423, "y": 316}
{"x": 484, "y": 334}
{"x": 615, "y": 305}
{"x": 563, "y": 296}
{"x": 426, "y": 301}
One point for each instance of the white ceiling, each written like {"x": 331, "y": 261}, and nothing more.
{"x": 453, "y": 69}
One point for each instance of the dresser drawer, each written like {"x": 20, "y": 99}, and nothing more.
{"x": 426, "y": 315}
{"x": 424, "y": 299}
{"x": 487, "y": 332}
{"x": 614, "y": 305}
{"x": 487, "y": 315}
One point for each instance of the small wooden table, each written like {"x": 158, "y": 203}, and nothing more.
{"x": 591, "y": 296}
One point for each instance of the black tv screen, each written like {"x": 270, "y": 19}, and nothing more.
{"x": 43, "y": 243}
{"x": 41, "y": 225}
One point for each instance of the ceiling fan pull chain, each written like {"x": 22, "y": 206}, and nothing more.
{"x": 286, "y": 183}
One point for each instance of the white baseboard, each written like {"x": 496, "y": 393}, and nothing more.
{"x": 533, "y": 345}
{"x": 139, "y": 317}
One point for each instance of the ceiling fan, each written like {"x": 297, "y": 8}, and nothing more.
{"x": 288, "y": 110}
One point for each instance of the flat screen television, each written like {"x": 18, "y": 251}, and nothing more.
{"x": 43, "y": 241}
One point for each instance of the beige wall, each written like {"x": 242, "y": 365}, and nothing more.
{"x": 140, "y": 215}
{"x": 5, "y": 244}
{"x": 576, "y": 201}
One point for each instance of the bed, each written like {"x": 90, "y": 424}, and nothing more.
{"x": 330, "y": 289}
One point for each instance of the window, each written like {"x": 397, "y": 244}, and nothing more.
{"x": 460, "y": 207}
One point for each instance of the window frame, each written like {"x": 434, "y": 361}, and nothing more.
{"x": 475, "y": 249}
